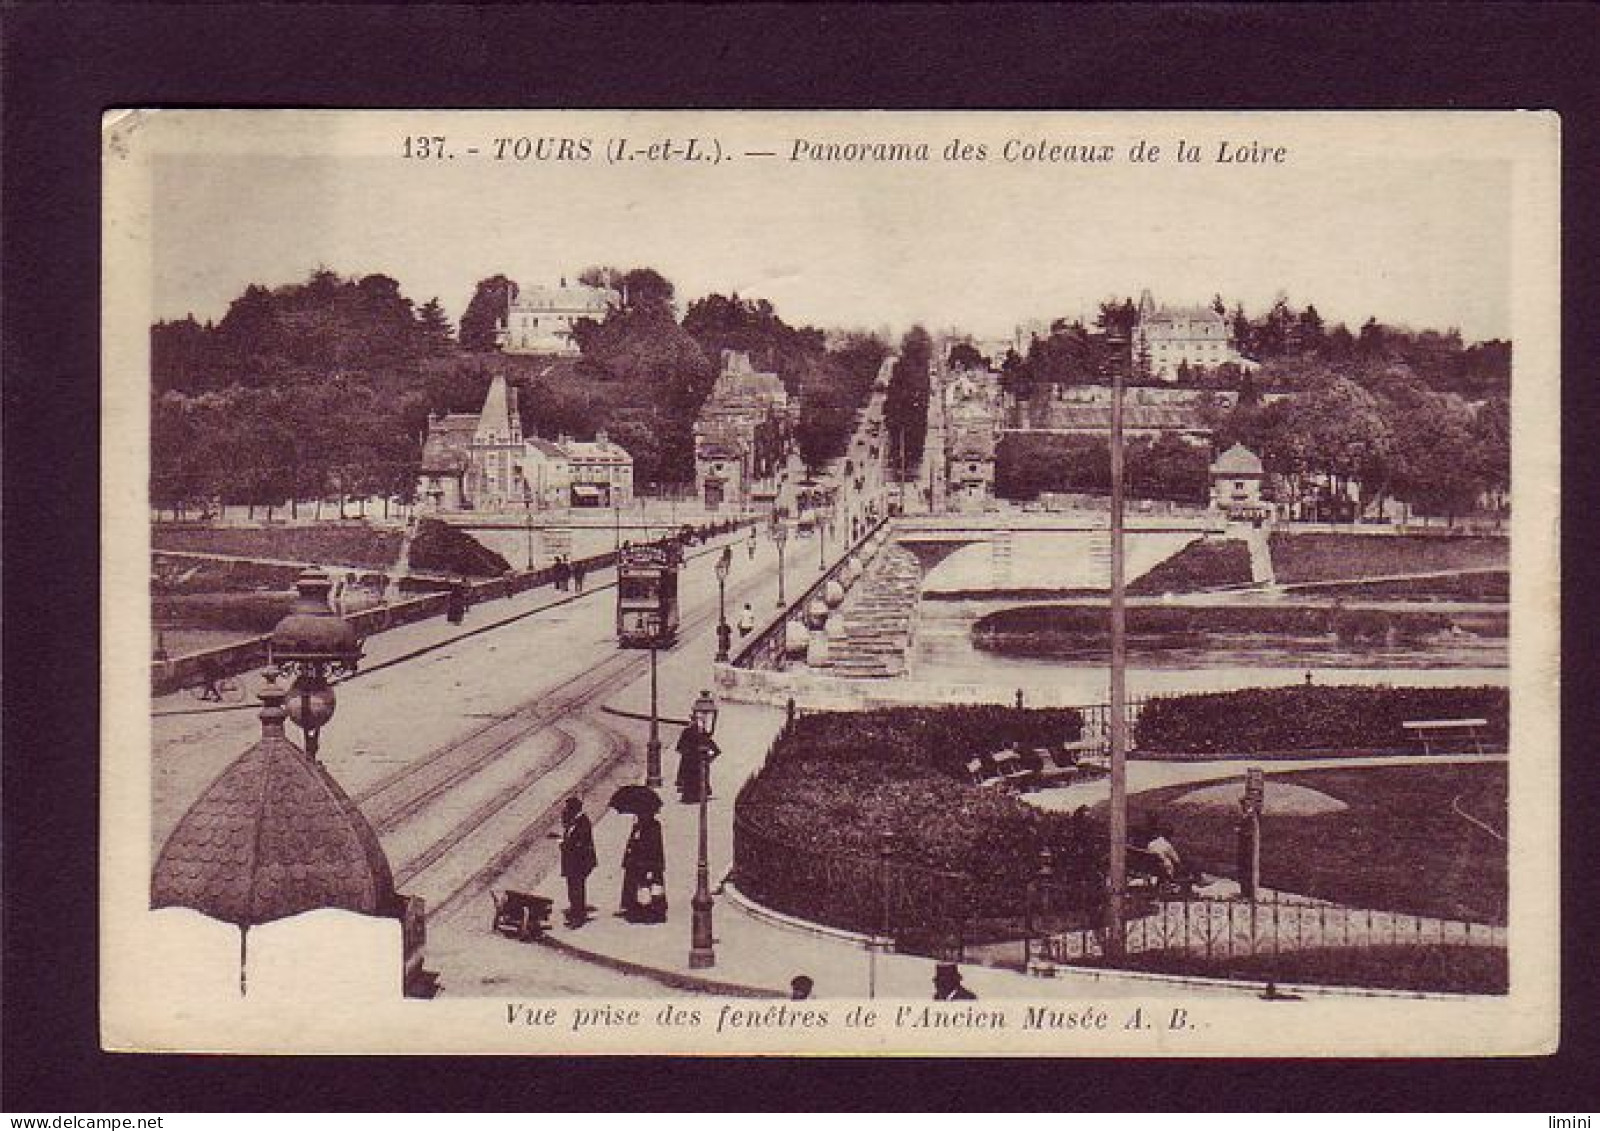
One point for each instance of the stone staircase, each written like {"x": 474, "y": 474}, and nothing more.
{"x": 1002, "y": 551}
{"x": 1099, "y": 570}
{"x": 878, "y": 618}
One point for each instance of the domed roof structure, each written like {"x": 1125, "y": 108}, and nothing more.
{"x": 272, "y": 837}
{"x": 1237, "y": 460}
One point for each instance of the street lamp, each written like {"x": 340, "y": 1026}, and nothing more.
{"x": 652, "y": 746}
{"x": 315, "y": 646}
{"x": 1116, "y": 911}
{"x": 724, "y": 633}
{"x": 701, "y": 943}
{"x": 527, "y": 508}
{"x": 780, "y": 535}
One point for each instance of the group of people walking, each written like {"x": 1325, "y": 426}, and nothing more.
{"x": 569, "y": 574}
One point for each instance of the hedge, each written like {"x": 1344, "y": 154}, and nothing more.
{"x": 353, "y": 544}
{"x": 251, "y": 613}
{"x": 1203, "y": 564}
{"x": 1047, "y": 630}
{"x": 1310, "y": 718}
{"x": 1337, "y": 557}
{"x": 836, "y": 783}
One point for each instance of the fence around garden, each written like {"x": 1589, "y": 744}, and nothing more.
{"x": 1229, "y": 928}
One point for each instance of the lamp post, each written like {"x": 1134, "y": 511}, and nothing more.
{"x": 652, "y": 746}
{"x": 886, "y": 846}
{"x": 724, "y": 633}
{"x": 780, "y": 535}
{"x": 702, "y": 953}
{"x": 315, "y": 646}
{"x": 1117, "y": 879}
{"x": 527, "y": 507}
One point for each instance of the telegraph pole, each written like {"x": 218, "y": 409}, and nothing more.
{"x": 1117, "y": 879}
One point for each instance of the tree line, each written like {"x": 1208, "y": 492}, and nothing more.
{"x": 324, "y": 388}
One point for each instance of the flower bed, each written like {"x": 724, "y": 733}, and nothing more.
{"x": 811, "y": 824}
{"x": 1310, "y": 718}
{"x": 1203, "y": 564}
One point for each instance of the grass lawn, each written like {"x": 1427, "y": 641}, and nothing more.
{"x": 1333, "y": 557}
{"x": 1432, "y": 969}
{"x": 1399, "y": 847}
{"x": 351, "y": 544}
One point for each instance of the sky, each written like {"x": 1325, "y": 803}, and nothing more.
{"x": 1416, "y": 235}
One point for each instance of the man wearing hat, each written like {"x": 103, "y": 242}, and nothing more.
{"x": 577, "y": 860}
{"x": 947, "y": 984}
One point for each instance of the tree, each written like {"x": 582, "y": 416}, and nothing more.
{"x": 1435, "y": 469}
{"x": 1340, "y": 430}
{"x": 906, "y": 403}
{"x": 647, "y": 290}
{"x": 1491, "y": 442}
{"x": 490, "y": 301}
{"x": 433, "y": 328}
{"x": 963, "y": 355}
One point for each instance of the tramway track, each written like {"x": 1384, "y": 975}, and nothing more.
{"x": 536, "y": 831}
{"x": 481, "y": 814}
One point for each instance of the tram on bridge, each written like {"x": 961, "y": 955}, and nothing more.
{"x": 647, "y": 594}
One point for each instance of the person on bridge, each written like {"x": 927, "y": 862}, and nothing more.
{"x": 577, "y": 577}
{"x": 747, "y": 620}
{"x": 751, "y": 546}
{"x": 577, "y": 860}
{"x": 644, "y": 871}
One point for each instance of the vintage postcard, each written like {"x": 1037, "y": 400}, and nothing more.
{"x": 952, "y": 583}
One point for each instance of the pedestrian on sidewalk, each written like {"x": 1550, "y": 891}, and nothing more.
{"x": 577, "y": 860}
{"x": 563, "y": 572}
{"x": 800, "y": 988}
{"x": 644, "y": 871}
{"x": 577, "y": 576}
{"x": 947, "y": 984}
{"x": 696, "y": 749}
{"x": 747, "y": 620}
{"x": 751, "y": 544}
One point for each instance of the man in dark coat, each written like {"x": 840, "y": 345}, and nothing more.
{"x": 644, "y": 863}
{"x": 695, "y": 752}
{"x": 947, "y": 984}
{"x": 577, "y": 860}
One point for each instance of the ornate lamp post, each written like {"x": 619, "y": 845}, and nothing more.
{"x": 724, "y": 633}
{"x": 316, "y": 647}
{"x": 701, "y": 943}
{"x": 780, "y": 535}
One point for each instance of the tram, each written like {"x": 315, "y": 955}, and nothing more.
{"x": 647, "y": 594}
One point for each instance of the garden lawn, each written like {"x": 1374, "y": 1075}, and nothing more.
{"x": 1335, "y": 557}
{"x": 1399, "y": 847}
{"x": 346, "y": 544}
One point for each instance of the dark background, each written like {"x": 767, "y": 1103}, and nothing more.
{"x": 64, "y": 64}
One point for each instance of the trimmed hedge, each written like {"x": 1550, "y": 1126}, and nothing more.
{"x": 836, "y": 783}
{"x": 251, "y": 613}
{"x": 1203, "y": 564}
{"x": 1310, "y": 718}
{"x": 1069, "y": 630}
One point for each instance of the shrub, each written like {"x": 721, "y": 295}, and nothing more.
{"x": 242, "y": 612}
{"x": 1202, "y": 564}
{"x": 347, "y": 544}
{"x": 441, "y": 547}
{"x": 1309, "y": 718}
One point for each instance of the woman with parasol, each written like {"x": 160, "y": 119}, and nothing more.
{"x": 644, "y": 861}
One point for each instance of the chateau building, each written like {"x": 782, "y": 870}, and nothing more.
{"x": 1166, "y": 339}
{"x": 540, "y": 319}
{"x": 482, "y": 462}
{"x": 743, "y": 435}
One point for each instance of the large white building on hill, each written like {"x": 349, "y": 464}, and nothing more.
{"x": 540, "y": 319}
{"x": 1167, "y": 339}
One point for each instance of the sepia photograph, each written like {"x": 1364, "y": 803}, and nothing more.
{"x": 949, "y": 583}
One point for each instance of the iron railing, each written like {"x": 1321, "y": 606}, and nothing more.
{"x": 1225, "y": 929}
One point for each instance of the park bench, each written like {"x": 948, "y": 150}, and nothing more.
{"x": 1012, "y": 768}
{"x": 980, "y": 774}
{"x": 521, "y": 916}
{"x": 1431, "y": 731}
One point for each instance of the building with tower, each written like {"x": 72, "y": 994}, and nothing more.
{"x": 743, "y": 435}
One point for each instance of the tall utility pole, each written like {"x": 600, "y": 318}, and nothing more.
{"x": 1116, "y": 911}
